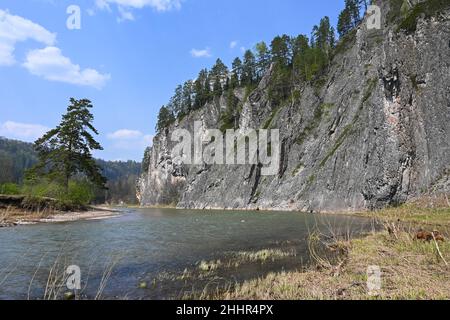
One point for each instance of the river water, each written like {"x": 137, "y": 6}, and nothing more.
{"x": 142, "y": 253}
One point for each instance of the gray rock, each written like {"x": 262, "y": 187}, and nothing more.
{"x": 376, "y": 134}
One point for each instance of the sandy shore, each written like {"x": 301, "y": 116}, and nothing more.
{"x": 15, "y": 217}
{"x": 77, "y": 216}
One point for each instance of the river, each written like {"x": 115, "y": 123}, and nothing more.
{"x": 155, "y": 253}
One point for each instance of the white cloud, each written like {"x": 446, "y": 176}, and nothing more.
{"x": 103, "y": 5}
{"x": 205, "y": 53}
{"x": 15, "y": 29}
{"x": 50, "y": 64}
{"x": 124, "y": 15}
{"x": 125, "y": 134}
{"x": 90, "y": 12}
{"x": 158, "y": 5}
{"x": 22, "y": 131}
{"x": 125, "y": 7}
{"x": 233, "y": 44}
{"x": 127, "y": 139}
{"x": 243, "y": 49}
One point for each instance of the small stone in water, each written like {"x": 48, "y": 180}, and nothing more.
{"x": 69, "y": 295}
{"x": 143, "y": 285}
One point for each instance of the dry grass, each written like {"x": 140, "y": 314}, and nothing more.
{"x": 56, "y": 286}
{"x": 411, "y": 269}
{"x": 239, "y": 258}
{"x": 209, "y": 266}
{"x": 12, "y": 215}
{"x": 263, "y": 256}
{"x": 430, "y": 209}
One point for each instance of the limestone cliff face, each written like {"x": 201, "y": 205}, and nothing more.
{"x": 376, "y": 133}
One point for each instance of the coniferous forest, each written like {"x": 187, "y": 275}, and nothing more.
{"x": 293, "y": 58}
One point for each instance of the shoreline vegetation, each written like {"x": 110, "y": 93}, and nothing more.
{"x": 410, "y": 269}
{"x": 411, "y": 248}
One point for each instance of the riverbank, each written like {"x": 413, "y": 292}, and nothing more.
{"x": 322, "y": 256}
{"x": 13, "y": 216}
{"x": 412, "y": 252}
{"x": 409, "y": 270}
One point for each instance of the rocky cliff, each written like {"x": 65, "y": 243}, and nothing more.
{"x": 375, "y": 132}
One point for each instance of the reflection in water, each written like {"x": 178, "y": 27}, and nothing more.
{"x": 151, "y": 249}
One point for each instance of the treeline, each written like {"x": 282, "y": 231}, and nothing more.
{"x": 293, "y": 59}
{"x": 121, "y": 184}
{"x": 350, "y": 17}
{"x": 17, "y": 156}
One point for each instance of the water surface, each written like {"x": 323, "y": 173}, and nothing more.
{"x": 153, "y": 246}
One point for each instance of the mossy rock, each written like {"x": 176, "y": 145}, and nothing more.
{"x": 69, "y": 295}
{"x": 424, "y": 9}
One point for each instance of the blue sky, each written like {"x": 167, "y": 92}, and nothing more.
{"x": 127, "y": 57}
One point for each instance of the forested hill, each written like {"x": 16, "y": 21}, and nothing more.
{"x": 17, "y": 156}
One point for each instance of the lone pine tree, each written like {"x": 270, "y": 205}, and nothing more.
{"x": 66, "y": 150}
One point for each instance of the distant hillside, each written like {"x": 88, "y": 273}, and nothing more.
{"x": 122, "y": 177}
{"x": 17, "y": 156}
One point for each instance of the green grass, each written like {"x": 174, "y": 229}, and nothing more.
{"x": 412, "y": 213}
{"x": 9, "y": 189}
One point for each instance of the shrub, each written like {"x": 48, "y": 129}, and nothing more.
{"x": 80, "y": 193}
{"x": 9, "y": 189}
{"x": 43, "y": 188}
